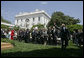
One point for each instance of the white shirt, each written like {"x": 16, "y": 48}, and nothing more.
{"x": 9, "y": 32}
{"x": 64, "y": 28}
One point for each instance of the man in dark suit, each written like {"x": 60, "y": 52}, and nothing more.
{"x": 19, "y": 35}
{"x": 33, "y": 35}
{"x": 54, "y": 35}
{"x": 64, "y": 35}
{"x": 49, "y": 35}
{"x": 27, "y": 36}
{"x": 22, "y": 34}
{"x": 40, "y": 36}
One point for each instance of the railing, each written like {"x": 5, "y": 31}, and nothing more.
{"x": 7, "y": 24}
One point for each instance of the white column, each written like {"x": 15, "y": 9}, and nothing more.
{"x": 15, "y": 21}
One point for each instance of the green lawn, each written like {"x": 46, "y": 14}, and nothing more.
{"x": 22, "y": 49}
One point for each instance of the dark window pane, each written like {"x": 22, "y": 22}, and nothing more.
{"x": 33, "y": 19}
{"x": 38, "y": 18}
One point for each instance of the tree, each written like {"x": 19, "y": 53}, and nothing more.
{"x": 38, "y": 25}
{"x": 74, "y": 27}
{"x": 4, "y": 26}
{"x": 16, "y": 28}
{"x": 3, "y": 20}
{"x": 59, "y": 18}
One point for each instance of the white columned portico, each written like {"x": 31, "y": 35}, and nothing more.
{"x": 27, "y": 20}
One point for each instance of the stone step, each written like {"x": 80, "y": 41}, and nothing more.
{"x": 6, "y": 46}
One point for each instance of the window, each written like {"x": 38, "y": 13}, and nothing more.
{"x": 38, "y": 18}
{"x": 17, "y": 20}
{"x": 21, "y": 20}
{"x": 27, "y": 20}
{"x": 33, "y": 19}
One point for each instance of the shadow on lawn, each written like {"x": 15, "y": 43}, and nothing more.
{"x": 53, "y": 52}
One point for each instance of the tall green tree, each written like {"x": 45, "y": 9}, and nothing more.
{"x": 60, "y": 17}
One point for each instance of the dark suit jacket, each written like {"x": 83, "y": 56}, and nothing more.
{"x": 54, "y": 33}
{"x": 63, "y": 34}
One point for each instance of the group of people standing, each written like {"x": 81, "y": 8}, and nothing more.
{"x": 46, "y": 36}
{"x": 23, "y": 35}
{"x": 7, "y": 33}
{"x": 78, "y": 37}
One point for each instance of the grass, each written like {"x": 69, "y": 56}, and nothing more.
{"x": 22, "y": 49}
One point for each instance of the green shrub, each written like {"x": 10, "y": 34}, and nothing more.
{"x": 4, "y": 26}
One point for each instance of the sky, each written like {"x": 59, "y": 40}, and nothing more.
{"x": 11, "y": 8}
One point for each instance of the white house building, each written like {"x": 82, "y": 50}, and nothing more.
{"x": 27, "y": 20}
